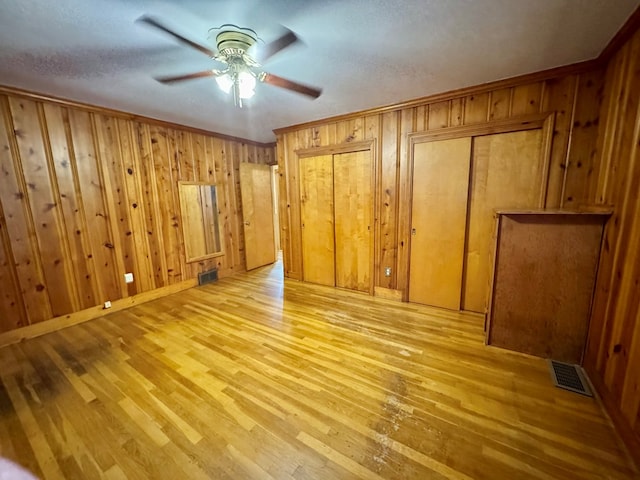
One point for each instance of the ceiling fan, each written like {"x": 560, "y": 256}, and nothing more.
{"x": 240, "y": 70}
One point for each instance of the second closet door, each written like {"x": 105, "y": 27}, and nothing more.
{"x": 353, "y": 227}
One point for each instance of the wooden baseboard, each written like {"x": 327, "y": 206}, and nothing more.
{"x": 388, "y": 293}
{"x": 64, "y": 321}
{"x": 628, "y": 436}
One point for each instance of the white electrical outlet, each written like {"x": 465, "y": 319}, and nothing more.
{"x": 107, "y": 304}
{"x": 128, "y": 278}
{"x": 387, "y": 272}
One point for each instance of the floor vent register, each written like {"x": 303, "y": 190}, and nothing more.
{"x": 569, "y": 377}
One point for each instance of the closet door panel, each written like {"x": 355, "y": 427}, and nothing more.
{"x": 353, "y": 220}
{"x": 318, "y": 248}
{"x": 438, "y": 219}
{"x": 506, "y": 173}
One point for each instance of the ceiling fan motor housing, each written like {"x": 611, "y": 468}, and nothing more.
{"x": 234, "y": 43}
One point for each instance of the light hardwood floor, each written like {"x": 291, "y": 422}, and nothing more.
{"x": 256, "y": 377}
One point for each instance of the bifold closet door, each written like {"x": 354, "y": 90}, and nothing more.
{"x": 353, "y": 212}
{"x": 438, "y": 220}
{"x": 507, "y": 172}
{"x": 318, "y": 250}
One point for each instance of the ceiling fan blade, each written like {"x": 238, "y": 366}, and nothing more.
{"x": 277, "y": 81}
{"x": 188, "y": 76}
{"x": 270, "y": 49}
{"x": 154, "y": 23}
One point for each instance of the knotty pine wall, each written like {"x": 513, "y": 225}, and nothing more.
{"x": 612, "y": 357}
{"x": 574, "y": 98}
{"x": 87, "y": 195}
{"x": 595, "y": 162}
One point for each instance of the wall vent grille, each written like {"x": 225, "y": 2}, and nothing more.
{"x": 208, "y": 277}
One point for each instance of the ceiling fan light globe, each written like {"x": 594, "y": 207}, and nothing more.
{"x": 225, "y": 82}
{"x": 247, "y": 84}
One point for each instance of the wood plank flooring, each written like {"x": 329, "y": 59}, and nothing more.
{"x": 254, "y": 377}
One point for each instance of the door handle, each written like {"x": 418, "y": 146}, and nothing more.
{"x": 247, "y": 223}
{"x": 413, "y": 231}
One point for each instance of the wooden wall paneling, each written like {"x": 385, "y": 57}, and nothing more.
{"x": 559, "y": 96}
{"x": 190, "y": 167}
{"x": 212, "y": 174}
{"x": 200, "y": 157}
{"x": 180, "y": 173}
{"x": 303, "y": 139}
{"x": 233, "y": 232}
{"x": 44, "y": 208}
{"x": 580, "y": 165}
{"x": 507, "y": 172}
{"x": 168, "y": 208}
{"x": 612, "y": 355}
{"x": 150, "y": 203}
{"x": 438, "y": 115}
{"x": 626, "y": 374}
{"x": 630, "y": 398}
{"x": 12, "y": 309}
{"x": 526, "y": 99}
{"x": 476, "y": 108}
{"x": 64, "y": 245}
{"x": 332, "y": 136}
{"x": 109, "y": 149}
{"x": 611, "y": 117}
{"x": 457, "y": 110}
{"x": 618, "y": 194}
{"x": 622, "y": 290}
{"x": 75, "y": 234}
{"x": 246, "y": 154}
{"x": 208, "y": 175}
{"x": 319, "y": 134}
{"x": 239, "y": 253}
{"x": 404, "y": 200}
{"x": 500, "y": 104}
{"x": 351, "y": 130}
{"x": 92, "y": 190}
{"x": 317, "y": 218}
{"x": 388, "y": 203}
{"x": 185, "y": 156}
{"x": 295, "y": 223}
{"x": 86, "y": 197}
{"x": 342, "y": 133}
{"x": 438, "y": 219}
{"x": 284, "y": 192}
{"x": 143, "y": 273}
{"x": 353, "y": 220}
{"x": 371, "y": 129}
{"x": 421, "y": 119}
{"x": 224, "y": 263}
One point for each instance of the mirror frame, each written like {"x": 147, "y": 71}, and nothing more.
{"x": 189, "y": 258}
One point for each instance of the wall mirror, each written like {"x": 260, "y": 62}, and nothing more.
{"x": 200, "y": 220}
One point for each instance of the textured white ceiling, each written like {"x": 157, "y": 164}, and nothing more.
{"x": 363, "y": 53}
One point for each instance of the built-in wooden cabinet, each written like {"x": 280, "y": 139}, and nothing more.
{"x": 337, "y": 219}
{"x": 544, "y": 275}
